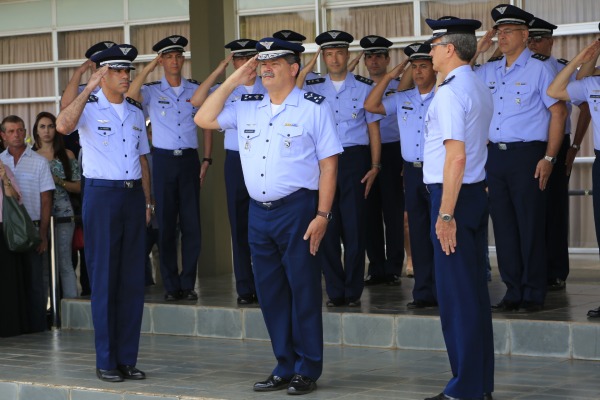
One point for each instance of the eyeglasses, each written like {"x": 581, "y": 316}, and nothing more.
{"x": 505, "y": 32}
{"x": 438, "y": 44}
{"x": 537, "y": 39}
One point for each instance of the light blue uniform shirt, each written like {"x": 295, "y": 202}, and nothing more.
{"x": 348, "y": 107}
{"x": 388, "y": 126}
{"x": 280, "y": 153}
{"x": 588, "y": 89}
{"x": 409, "y": 110}
{"x": 231, "y": 136}
{"x": 559, "y": 66}
{"x": 461, "y": 110}
{"x": 172, "y": 116}
{"x": 111, "y": 147}
{"x": 520, "y": 100}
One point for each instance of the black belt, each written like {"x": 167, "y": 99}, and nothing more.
{"x": 414, "y": 164}
{"x": 174, "y": 153}
{"x": 515, "y": 145}
{"x": 130, "y": 184}
{"x": 270, "y": 205}
{"x": 432, "y": 186}
{"x": 352, "y": 149}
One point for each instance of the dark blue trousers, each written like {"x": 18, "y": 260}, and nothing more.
{"x": 36, "y": 291}
{"x": 463, "y": 297}
{"x": 518, "y": 211}
{"x": 345, "y": 282}
{"x": 418, "y": 208}
{"x": 557, "y": 216}
{"x": 288, "y": 283}
{"x": 596, "y": 196}
{"x": 176, "y": 182}
{"x": 385, "y": 205}
{"x": 238, "y": 201}
{"x": 114, "y": 223}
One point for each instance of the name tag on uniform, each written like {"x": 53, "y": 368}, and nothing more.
{"x": 249, "y": 130}
{"x": 163, "y": 102}
{"x": 135, "y": 128}
{"x": 406, "y": 108}
{"x": 104, "y": 128}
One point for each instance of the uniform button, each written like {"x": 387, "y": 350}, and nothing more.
{"x": 288, "y": 135}
{"x": 497, "y": 129}
{"x": 419, "y": 131}
{"x": 248, "y": 137}
{"x": 123, "y": 139}
{"x": 501, "y": 98}
{"x": 262, "y": 174}
{"x": 420, "y": 117}
{"x": 125, "y": 155}
{"x": 178, "y": 112}
{"x": 270, "y": 124}
{"x": 178, "y": 124}
{"x": 499, "y": 113}
{"x": 264, "y": 192}
{"x": 336, "y": 98}
{"x": 335, "y": 111}
{"x": 264, "y": 157}
{"x": 417, "y": 145}
{"x": 503, "y": 83}
{"x": 126, "y": 172}
{"x": 104, "y": 133}
{"x": 267, "y": 140}
{"x": 354, "y": 106}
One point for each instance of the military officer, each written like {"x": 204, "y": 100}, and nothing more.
{"x": 116, "y": 208}
{"x": 453, "y": 170}
{"x": 409, "y": 107}
{"x": 177, "y": 171}
{"x": 385, "y": 203}
{"x": 358, "y": 130}
{"x": 525, "y": 135}
{"x": 295, "y": 37}
{"x": 288, "y": 149}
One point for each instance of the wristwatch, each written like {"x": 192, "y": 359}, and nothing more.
{"x": 327, "y": 215}
{"x": 445, "y": 217}
{"x": 209, "y": 160}
{"x": 576, "y": 146}
{"x": 550, "y": 159}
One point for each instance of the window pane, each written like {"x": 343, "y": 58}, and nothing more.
{"x": 259, "y": 26}
{"x": 145, "y": 36}
{"x": 148, "y": 9}
{"x": 477, "y": 9}
{"x": 27, "y": 111}
{"x": 78, "y": 13}
{"x": 73, "y": 45}
{"x": 564, "y": 11}
{"x": 388, "y": 20}
{"x": 255, "y": 4}
{"x": 25, "y": 49}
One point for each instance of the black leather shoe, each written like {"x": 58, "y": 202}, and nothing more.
{"x": 595, "y": 313}
{"x": 352, "y": 303}
{"x": 272, "y": 383}
{"x": 487, "y": 396}
{"x": 371, "y": 280}
{"x": 131, "y": 372}
{"x": 505, "y": 306}
{"x": 109, "y": 375}
{"x": 530, "y": 307}
{"x": 189, "y": 295}
{"x": 556, "y": 284}
{"x": 301, "y": 385}
{"x": 245, "y": 300}
{"x": 334, "y": 302}
{"x": 420, "y": 304}
{"x": 393, "y": 280}
{"x": 172, "y": 296}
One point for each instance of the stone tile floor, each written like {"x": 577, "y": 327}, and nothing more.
{"x": 61, "y": 365}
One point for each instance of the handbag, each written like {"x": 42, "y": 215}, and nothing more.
{"x": 77, "y": 243}
{"x": 20, "y": 233}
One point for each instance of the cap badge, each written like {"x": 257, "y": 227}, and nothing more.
{"x": 334, "y": 34}
{"x": 286, "y": 33}
{"x": 267, "y": 45}
{"x": 243, "y": 42}
{"x": 175, "y": 39}
{"x": 108, "y": 44}
{"x": 532, "y": 22}
{"x": 372, "y": 39}
{"x": 125, "y": 50}
{"x": 501, "y": 9}
{"x": 415, "y": 47}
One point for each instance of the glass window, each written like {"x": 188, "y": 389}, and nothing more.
{"x": 25, "y": 49}
{"x": 145, "y": 36}
{"x": 387, "y": 20}
{"x": 73, "y": 45}
{"x": 478, "y": 9}
{"x": 152, "y": 9}
{"x": 564, "y": 11}
{"x": 31, "y": 15}
{"x": 257, "y": 4}
{"x": 259, "y": 26}
{"x": 27, "y": 83}
{"x": 77, "y": 12}
{"x": 27, "y": 111}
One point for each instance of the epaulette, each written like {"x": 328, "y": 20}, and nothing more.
{"x": 563, "y": 61}
{"x": 152, "y": 83}
{"x": 315, "y": 81}
{"x": 193, "y": 81}
{"x": 315, "y": 98}
{"x": 390, "y": 92}
{"x": 92, "y": 99}
{"x": 476, "y": 65}
{"x": 447, "y": 80}
{"x": 134, "y": 102}
{"x": 252, "y": 97}
{"x": 492, "y": 59}
{"x": 397, "y": 79}
{"x": 405, "y": 90}
{"x": 363, "y": 79}
{"x": 540, "y": 57}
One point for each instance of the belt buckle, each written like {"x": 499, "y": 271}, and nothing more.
{"x": 178, "y": 152}
{"x": 267, "y": 204}
{"x": 418, "y": 164}
{"x": 502, "y": 146}
{"x": 128, "y": 184}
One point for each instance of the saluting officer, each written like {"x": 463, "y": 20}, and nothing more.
{"x": 295, "y": 37}
{"x": 453, "y": 170}
{"x": 177, "y": 172}
{"x": 288, "y": 148}
{"x": 525, "y": 135}
{"x": 114, "y": 141}
{"x": 358, "y": 130}
{"x": 409, "y": 108}
{"x": 385, "y": 203}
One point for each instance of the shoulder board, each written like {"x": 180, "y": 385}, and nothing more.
{"x": 152, "y": 83}
{"x": 92, "y": 99}
{"x": 134, "y": 102}
{"x": 540, "y": 57}
{"x": 363, "y": 79}
{"x": 193, "y": 81}
{"x": 495, "y": 58}
{"x": 397, "y": 79}
{"x": 252, "y": 97}
{"x": 315, "y": 98}
{"x": 476, "y": 65}
{"x": 405, "y": 90}
{"x": 447, "y": 81}
{"x": 563, "y": 61}
{"x": 315, "y": 81}
{"x": 390, "y": 92}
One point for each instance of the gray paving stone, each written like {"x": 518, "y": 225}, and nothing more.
{"x": 94, "y": 395}
{"x": 34, "y": 392}
{"x": 147, "y": 319}
{"x": 586, "y": 341}
{"x": 174, "y": 320}
{"x": 501, "y": 337}
{"x": 78, "y": 314}
{"x": 368, "y": 330}
{"x": 219, "y": 322}
{"x": 419, "y": 333}
{"x": 254, "y": 325}
{"x": 8, "y": 390}
{"x": 539, "y": 338}
{"x": 332, "y": 328}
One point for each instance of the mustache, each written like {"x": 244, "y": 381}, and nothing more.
{"x": 267, "y": 75}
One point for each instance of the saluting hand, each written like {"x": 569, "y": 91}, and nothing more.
{"x": 485, "y": 42}
{"x": 97, "y": 77}
{"x": 315, "y": 232}
{"x": 245, "y": 73}
{"x": 398, "y": 69}
{"x": 354, "y": 62}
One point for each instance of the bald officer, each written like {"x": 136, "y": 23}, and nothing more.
{"x": 288, "y": 147}
{"x": 409, "y": 107}
{"x": 177, "y": 171}
{"x": 115, "y": 209}
{"x": 385, "y": 203}
{"x": 358, "y": 130}
{"x": 455, "y": 155}
{"x": 525, "y": 135}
